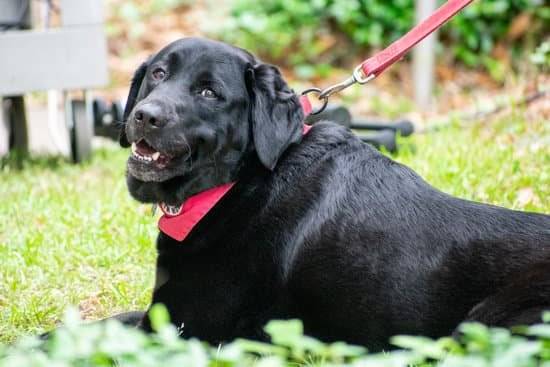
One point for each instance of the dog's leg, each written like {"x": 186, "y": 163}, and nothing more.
{"x": 519, "y": 303}
{"x": 132, "y": 318}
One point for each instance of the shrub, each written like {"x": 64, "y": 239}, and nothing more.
{"x": 109, "y": 344}
{"x": 301, "y": 32}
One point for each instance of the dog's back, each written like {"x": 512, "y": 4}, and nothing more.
{"x": 379, "y": 251}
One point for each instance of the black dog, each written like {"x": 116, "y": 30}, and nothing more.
{"x": 319, "y": 227}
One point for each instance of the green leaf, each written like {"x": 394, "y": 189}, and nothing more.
{"x": 255, "y": 347}
{"x": 542, "y": 331}
{"x": 159, "y": 316}
{"x": 343, "y": 350}
{"x": 283, "y": 332}
{"x": 424, "y": 346}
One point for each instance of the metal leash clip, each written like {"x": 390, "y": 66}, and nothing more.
{"x": 323, "y": 95}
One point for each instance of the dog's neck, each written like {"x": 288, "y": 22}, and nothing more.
{"x": 178, "y": 221}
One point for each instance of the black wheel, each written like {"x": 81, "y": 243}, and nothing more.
{"x": 118, "y": 111}
{"x": 107, "y": 118}
{"x": 382, "y": 139}
{"x": 81, "y": 132}
{"x": 101, "y": 108}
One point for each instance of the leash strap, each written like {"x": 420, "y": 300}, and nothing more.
{"x": 377, "y": 64}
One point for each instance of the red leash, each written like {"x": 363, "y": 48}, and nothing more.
{"x": 377, "y": 64}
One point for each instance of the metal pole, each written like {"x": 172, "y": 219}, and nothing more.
{"x": 4, "y": 131}
{"x": 424, "y": 58}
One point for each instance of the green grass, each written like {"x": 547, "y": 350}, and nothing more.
{"x": 71, "y": 235}
{"x": 505, "y": 163}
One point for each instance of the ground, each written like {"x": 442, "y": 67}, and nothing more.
{"x": 71, "y": 235}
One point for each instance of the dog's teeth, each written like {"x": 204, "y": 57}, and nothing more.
{"x": 156, "y": 156}
{"x": 134, "y": 148}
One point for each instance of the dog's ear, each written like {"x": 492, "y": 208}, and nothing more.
{"x": 131, "y": 101}
{"x": 275, "y": 114}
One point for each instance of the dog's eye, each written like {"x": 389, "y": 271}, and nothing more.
{"x": 208, "y": 93}
{"x": 158, "y": 74}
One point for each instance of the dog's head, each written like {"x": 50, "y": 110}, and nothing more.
{"x": 197, "y": 112}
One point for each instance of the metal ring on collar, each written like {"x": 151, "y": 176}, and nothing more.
{"x": 324, "y": 99}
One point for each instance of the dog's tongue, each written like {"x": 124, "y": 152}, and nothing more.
{"x": 144, "y": 149}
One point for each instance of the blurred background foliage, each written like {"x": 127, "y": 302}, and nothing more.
{"x": 489, "y": 34}
{"x": 313, "y": 38}
{"x": 492, "y": 48}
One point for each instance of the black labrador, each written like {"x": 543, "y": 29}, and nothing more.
{"x": 319, "y": 227}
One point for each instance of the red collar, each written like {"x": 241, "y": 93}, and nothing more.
{"x": 178, "y": 222}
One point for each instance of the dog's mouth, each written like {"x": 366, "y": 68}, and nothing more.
{"x": 149, "y": 164}
{"x": 147, "y": 154}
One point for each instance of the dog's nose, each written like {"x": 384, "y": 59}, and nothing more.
{"x": 150, "y": 114}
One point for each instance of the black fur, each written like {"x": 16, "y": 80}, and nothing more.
{"x": 322, "y": 228}
{"x": 276, "y": 114}
{"x": 131, "y": 100}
